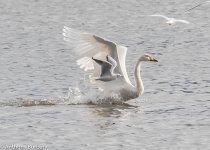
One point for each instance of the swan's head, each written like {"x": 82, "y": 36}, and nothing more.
{"x": 147, "y": 57}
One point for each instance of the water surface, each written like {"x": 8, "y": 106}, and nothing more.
{"x": 38, "y": 67}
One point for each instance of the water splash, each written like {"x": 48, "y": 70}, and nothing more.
{"x": 74, "y": 96}
{"x": 93, "y": 96}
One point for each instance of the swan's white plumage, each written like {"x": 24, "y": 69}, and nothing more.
{"x": 85, "y": 63}
{"x": 88, "y": 45}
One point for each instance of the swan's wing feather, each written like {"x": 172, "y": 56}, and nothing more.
{"x": 121, "y": 52}
{"x": 85, "y": 44}
{"x": 88, "y": 45}
{"x": 162, "y": 16}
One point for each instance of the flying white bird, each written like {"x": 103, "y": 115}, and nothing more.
{"x": 170, "y": 21}
{"x": 107, "y": 69}
{"x": 89, "y": 46}
{"x": 198, "y": 5}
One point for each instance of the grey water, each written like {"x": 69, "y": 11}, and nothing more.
{"x": 37, "y": 68}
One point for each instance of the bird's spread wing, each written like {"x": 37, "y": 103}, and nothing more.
{"x": 113, "y": 62}
{"x": 88, "y": 45}
{"x": 162, "y": 16}
{"x": 105, "y": 67}
{"x": 183, "y": 21}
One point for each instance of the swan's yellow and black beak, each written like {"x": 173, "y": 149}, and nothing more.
{"x": 151, "y": 58}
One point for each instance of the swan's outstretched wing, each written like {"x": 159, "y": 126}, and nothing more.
{"x": 162, "y": 16}
{"x": 89, "y": 45}
{"x": 183, "y": 21}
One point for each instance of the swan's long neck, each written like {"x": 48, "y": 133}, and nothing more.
{"x": 137, "y": 74}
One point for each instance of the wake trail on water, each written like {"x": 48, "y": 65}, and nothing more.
{"x": 74, "y": 96}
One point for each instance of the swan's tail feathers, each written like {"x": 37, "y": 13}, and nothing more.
{"x": 85, "y": 63}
